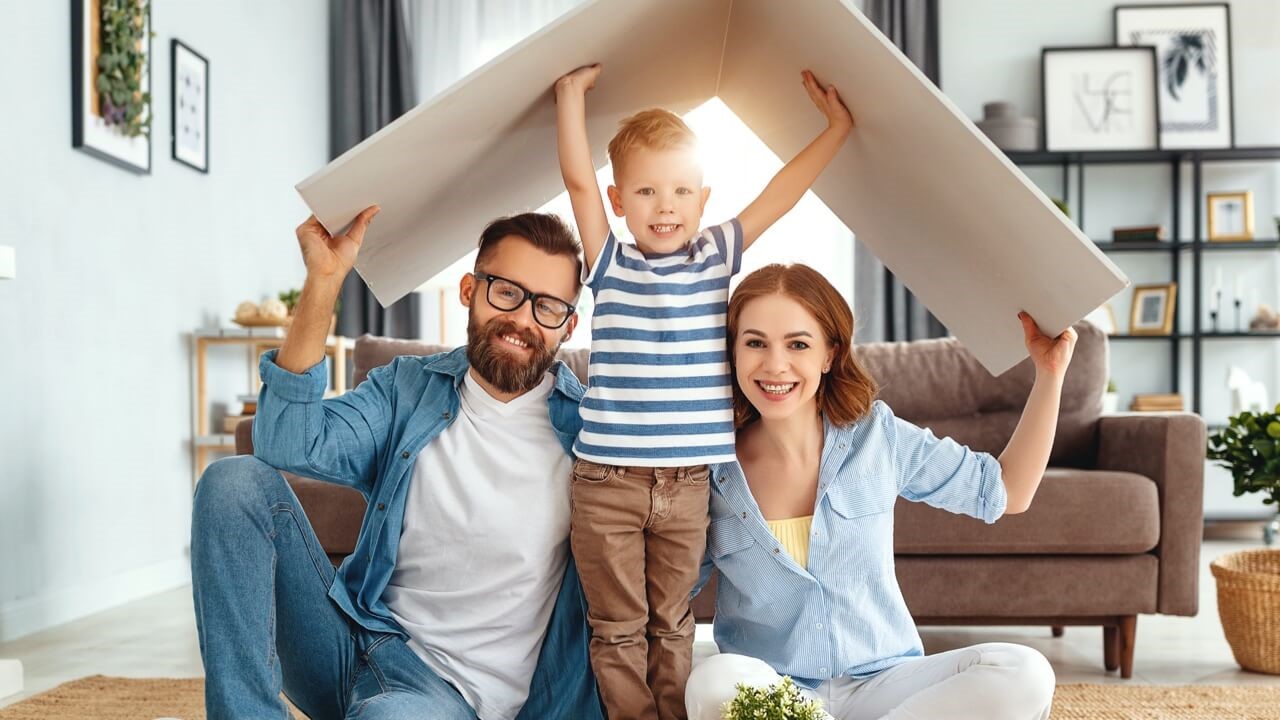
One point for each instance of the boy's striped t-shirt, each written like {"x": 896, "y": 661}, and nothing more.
{"x": 658, "y": 387}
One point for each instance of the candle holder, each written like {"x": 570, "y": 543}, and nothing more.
{"x": 1238, "y": 303}
{"x": 1213, "y": 321}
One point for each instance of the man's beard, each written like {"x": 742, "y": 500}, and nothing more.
{"x": 507, "y": 371}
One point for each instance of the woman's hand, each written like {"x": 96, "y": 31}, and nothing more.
{"x": 1051, "y": 355}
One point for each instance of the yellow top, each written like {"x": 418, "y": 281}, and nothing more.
{"x": 793, "y": 534}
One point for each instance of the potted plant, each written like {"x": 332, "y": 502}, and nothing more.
{"x": 782, "y": 701}
{"x": 1249, "y": 581}
{"x": 1110, "y": 398}
{"x": 1249, "y": 446}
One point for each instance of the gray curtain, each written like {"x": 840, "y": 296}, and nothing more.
{"x": 885, "y": 309}
{"x": 371, "y": 83}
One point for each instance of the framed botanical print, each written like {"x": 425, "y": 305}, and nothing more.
{"x": 111, "y": 81}
{"x": 1099, "y": 98}
{"x": 1193, "y": 51}
{"x": 189, "y": 110}
{"x": 1230, "y": 215}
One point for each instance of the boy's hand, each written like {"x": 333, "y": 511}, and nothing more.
{"x": 1050, "y": 355}
{"x": 580, "y": 80}
{"x": 326, "y": 256}
{"x": 828, "y": 101}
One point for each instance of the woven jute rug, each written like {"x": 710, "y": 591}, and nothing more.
{"x": 109, "y": 698}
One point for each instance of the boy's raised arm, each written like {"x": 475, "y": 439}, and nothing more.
{"x": 791, "y": 182}
{"x": 575, "y": 159}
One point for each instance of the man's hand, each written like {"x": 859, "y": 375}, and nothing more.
{"x": 828, "y": 101}
{"x": 1050, "y": 355}
{"x": 327, "y": 256}
{"x": 579, "y": 81}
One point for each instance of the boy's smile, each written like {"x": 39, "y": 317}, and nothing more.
{"x": 660, "y": 193}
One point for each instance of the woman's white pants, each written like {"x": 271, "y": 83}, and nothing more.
{"x": 991, "y": 681}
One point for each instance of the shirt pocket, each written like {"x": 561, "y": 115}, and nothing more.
{"x": 750, "y": 578}
{"x": 860, "y": 500}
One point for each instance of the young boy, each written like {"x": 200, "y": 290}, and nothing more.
{"x": 658, "y": 407}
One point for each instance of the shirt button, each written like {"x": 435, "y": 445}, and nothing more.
{"x": 381, "y": 506}
{"x": 445, "y": 415}
{"x": 841, "y": 446}
{"x": 776, "y": 551}
{"x": 744, "y": 516}
{"x": 720, "y": 479}
{"x": 822, "y": 670}
{"x": 405, "y": 454}
{"x": 819, "y": 626}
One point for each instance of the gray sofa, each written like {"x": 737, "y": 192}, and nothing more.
{"x": 1114, "y": 531}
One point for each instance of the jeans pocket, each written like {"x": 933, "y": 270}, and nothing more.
{"x": 594, "y": 473}
{"x": 698, "y": 475}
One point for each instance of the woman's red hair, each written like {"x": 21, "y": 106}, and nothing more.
{"x": 846, "y": 392}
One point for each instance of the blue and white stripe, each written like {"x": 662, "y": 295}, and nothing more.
{"x": 658, "y": 386}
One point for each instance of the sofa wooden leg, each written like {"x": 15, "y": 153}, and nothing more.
{"x": 1110, "y": 647}
{"x": 1057, "y": 630}
{"x": 1128, "y": 628}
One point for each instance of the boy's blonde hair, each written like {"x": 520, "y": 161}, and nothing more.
{"x": 656, "y": 129}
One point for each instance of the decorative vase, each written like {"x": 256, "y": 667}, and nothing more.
{"x": 1110, "y": 402}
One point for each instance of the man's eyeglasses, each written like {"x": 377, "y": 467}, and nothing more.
{"x": 505, "y": 295}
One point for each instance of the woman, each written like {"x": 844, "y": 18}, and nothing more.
{"x": 802, "y": 524}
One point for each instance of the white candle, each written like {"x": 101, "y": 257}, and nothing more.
{"x": 1217, "y": 279}
{"x": 1239, "y": 289}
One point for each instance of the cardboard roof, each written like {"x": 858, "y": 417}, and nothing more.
{"x": 928, "y": 193}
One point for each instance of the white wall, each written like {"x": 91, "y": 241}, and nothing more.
{"x": 990, "y": 50}
{"x": 114, "y": 270}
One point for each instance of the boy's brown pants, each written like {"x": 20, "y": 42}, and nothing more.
{"x": 638, "y": 537}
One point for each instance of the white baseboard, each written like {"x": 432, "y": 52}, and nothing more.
{"x": 55, "y": 607}
{"x": 10, "y": 678}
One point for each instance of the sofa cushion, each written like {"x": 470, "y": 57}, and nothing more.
{"x": 372, "y": 351}
{"x": 1075, "y": 512}
{"x": 335, "y": 512}
{"x": 1043, "y": 586}
{"x": 939, "y": 384}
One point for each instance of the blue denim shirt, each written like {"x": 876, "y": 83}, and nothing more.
{"x": 843, "y": 614}
{"x": 369, "y": 439}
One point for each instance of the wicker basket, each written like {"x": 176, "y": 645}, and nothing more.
{"x": 1249, "y": 606}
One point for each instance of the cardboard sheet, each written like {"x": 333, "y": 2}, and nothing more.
{"x": 943, "y": 208}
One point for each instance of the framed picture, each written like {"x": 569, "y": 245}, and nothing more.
{"x": 1152, "y": 311}
{"x": 189, "y": 106}
{"x": 1193, "y": 51}
{"x": 1099, "y": 98}
{"x": 111, "y": 83}
{"x": 1230, "y": 215}
{"x": 1104, "y": 318}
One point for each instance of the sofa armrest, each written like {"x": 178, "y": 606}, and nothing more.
{"x": 1169, "y": 448}
{"x": 244, "y": 437}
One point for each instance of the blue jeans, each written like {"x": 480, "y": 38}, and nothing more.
{"x": 266, "y": 624}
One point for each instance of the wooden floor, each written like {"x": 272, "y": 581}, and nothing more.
{"x": 155, "y": 637}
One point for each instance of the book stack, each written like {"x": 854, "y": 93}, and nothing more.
{"x": 1157, "y": 402}
{"x": 248, "y": 406}
{"x": 1138, "y": 233}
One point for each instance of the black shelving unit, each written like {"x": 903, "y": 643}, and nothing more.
{"x": 1196, "y": 245}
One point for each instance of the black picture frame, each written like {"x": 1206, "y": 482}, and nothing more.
{"x": 1049, "y": 118}
{"x": 87, "y": 134}
{"x": 179, "y": 138}
{"x": 1172, "y": 141}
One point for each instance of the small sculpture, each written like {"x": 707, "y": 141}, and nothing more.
{"x": 1247, "y": 394}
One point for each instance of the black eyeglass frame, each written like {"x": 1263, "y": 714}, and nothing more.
{"x": 530, "y": 297}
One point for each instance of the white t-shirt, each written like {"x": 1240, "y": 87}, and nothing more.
{"x": 484, "y": 547}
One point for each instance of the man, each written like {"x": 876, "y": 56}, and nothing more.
{"x": 461, "y": 599}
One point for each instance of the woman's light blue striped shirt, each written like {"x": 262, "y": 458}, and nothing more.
{"x": 843, "y": 615}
